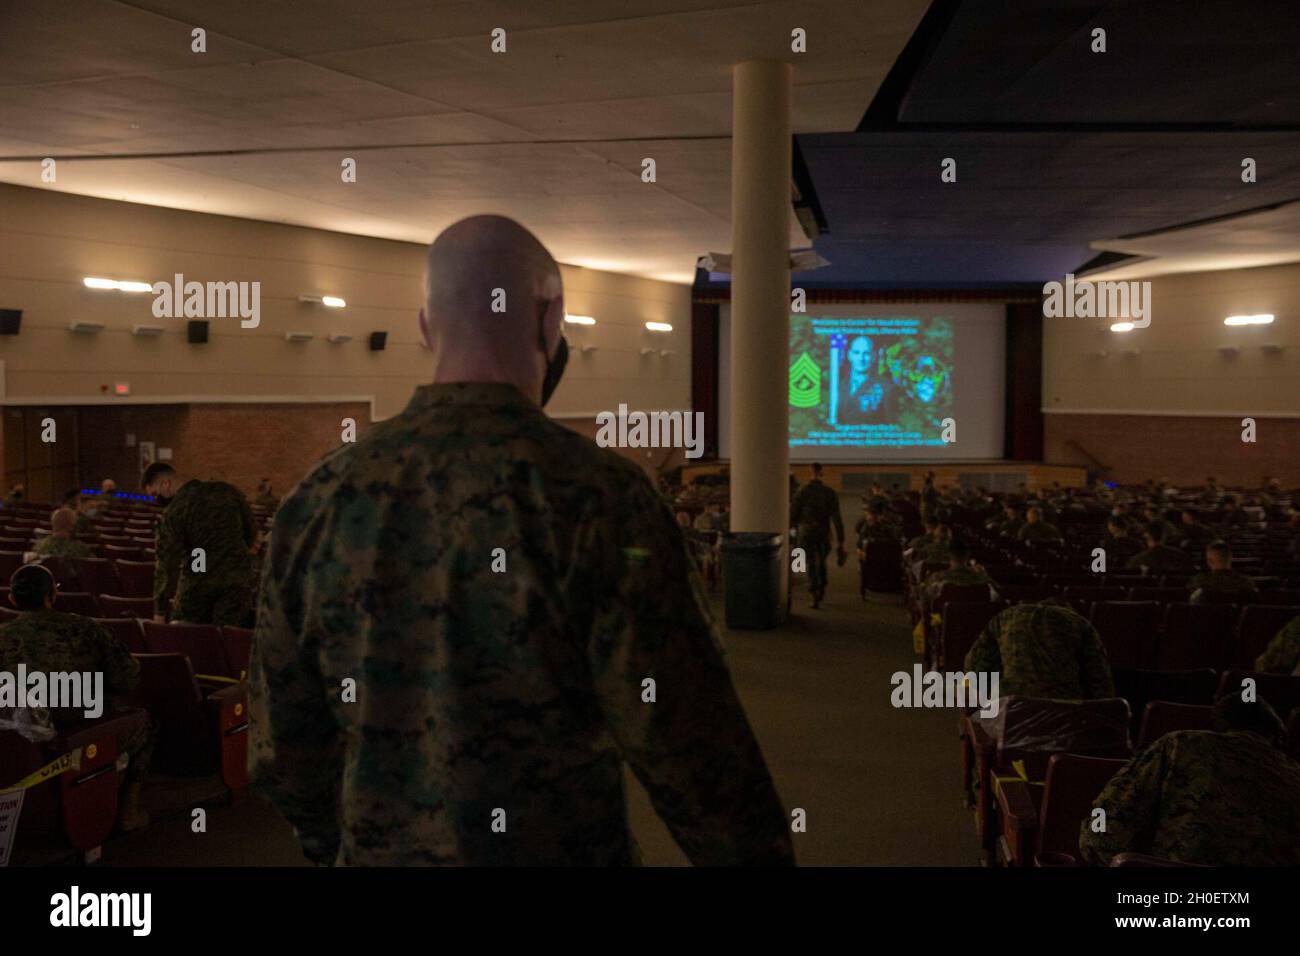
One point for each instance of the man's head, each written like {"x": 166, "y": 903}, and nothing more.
{"x": 1011, "y": 511}
{"x": 494, "y": 304}
{"x": 72, "y": 499}
{"x": 108, "y": 487}
{"x": 161, "y": 481}
{"x": 32, "y": 587}
{"x": 1034, "y": 515}
{"x": 1117, "y": 527}
{"x": 860, "y": 355}
{"x": 17, "y": 492}
{"x": 63, "y": 521}
{"x": 958, "y": 553}
{"x": 1154, "y": 534}
{"x": 1231, "y": 713}
{"x": 1218, "y": 556}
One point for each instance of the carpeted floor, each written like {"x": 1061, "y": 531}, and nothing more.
{"x": 879, "y": 784}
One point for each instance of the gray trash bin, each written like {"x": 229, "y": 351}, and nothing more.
{"x": 751, "y": 578}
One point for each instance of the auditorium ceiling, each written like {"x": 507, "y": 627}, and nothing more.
{"x": 649, "y": 78}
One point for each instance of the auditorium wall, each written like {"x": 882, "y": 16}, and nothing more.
{"x": 1167, "y": 401}
{"x": 49, "y": 241}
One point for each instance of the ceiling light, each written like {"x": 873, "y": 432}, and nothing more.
{"x": 579, "y": 319}
{"x": 135, "y": 286}
{"x": 332, "y": 301}
{"x": 658, "y": 326}
{"x": 1264, "y": 318}
{"x": 92, "y": 283}
{"x": 1122, "y": 327}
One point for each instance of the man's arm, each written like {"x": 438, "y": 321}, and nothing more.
{"x": 295, "y": 748}
{"x": 836, "y": 518}
{"x": 169, "y": 551}
{"x": 1132, "y": 804}
{"x": 692, "y": 748}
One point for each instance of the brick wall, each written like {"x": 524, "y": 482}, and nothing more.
{"x": 1184, "y": 450}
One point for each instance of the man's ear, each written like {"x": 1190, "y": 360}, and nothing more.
{"x": 424, "y": 331}
{"x": 11, "y": 600}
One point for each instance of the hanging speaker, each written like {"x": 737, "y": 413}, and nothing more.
{"x": 378, "y": 340}
{"x": 197, "y": 331}
{"x": 10, "y": 321}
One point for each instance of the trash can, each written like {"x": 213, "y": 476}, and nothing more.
{"x": 751, "y": 579}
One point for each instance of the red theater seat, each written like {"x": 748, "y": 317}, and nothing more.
{"x": 201, "y": 643}
{"x": 239, "y": 647}
{"x": 1129, "y": 630}
{"x": 1281, "y": 691}
{"x": 136, "y": 577}
{"x": 76, "y": 602}
{"x": 95, "y": 575}
{"x": 1162, "y": 717}
{"x": 10, "y": 561}
{"x": 113, "y": 605}
{"x": 1196, "y": 635}
{"x": 963, "y": 621}
{"x": 125, "y": 629}
{"x": 1041, "y": 823}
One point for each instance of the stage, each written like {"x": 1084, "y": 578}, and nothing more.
{"x": 857, "y": 477}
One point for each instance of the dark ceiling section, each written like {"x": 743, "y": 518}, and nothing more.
{"x": 1209, "y": 62}
{"x": 1056, "y": 146}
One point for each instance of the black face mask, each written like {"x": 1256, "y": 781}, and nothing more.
{"x": 554, "y": 363}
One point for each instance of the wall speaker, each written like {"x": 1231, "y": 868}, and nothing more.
{"x": 10, "y": 321}
{"x": 197, "y": 331}
{"x": 378, "y": 340}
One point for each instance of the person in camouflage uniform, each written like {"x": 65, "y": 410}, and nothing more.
{"x": 816, "y": 508}
{"x": 215, "y": 517}
{"x": 1222, "y": 797}
{"x": 922, "y": 542}
{"x": 60, "y": 542}
{"x": 1282, "y": 656}
{"x": 1158, "y": 557}
{"x": 1037, "y": 531}
{"x": 1221, "y": 584}
{"x": 958, "y": 573}
{"x": 519, "y": 613}
{"x": 1043, "y": 650}
{"x": 48, "y": 640}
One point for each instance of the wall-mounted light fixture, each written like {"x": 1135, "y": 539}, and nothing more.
{"x": 329, "y": 301}
{"x": 1264, "y": 318}
{"x": 147, "y": 331}
{"x": 579, "y": 319}
{"x": 86, "y": 328}
{"x": 339, "y": 338}
{"x": 121, "y": 285}
{"x": 299, "y": 336}
{"x": 658, "y": 326}
{"x": 1122, "y": 327}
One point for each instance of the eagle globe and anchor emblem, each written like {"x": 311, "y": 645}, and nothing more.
{"x": 805, "y": 382}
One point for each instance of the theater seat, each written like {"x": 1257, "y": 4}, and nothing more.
{"x": 239, "y": 646}
{"x": 136, "y": 577}
{"x": 1281, "y": 691}
{"x": 95, "y": 576}
{"x": 1129, "y": 630}
{"x": 1196, "y": 635}
{"x": 127, "y": 630}
{"x": 201, "y": 643}
{"x": 10, "y": 561}
{"x": 113, "y": 605}
{"x": 963, "y": 621}
{"x": 1259, "y": 624}
{"x": 1162, "y": 717}
{"x": 76, "y": 602}
{"x": 1140, "y": 687}
{"x": 883, "y": 569}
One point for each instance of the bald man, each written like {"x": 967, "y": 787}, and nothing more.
{"x": 473, "y": 616}
{"x": 61, "y": 542}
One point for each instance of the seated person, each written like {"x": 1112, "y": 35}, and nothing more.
{"x": 62, "y": 542}
{"x": 1118, "y": 544}
{"x": 960, "y": 571}
{"x": 48, "y": 640}
{"x": 1192, "y": 534}
{"x": 1221, "y": 797}
{"x": 1158, "y": 557}
{"x": 1043, "y": 650}
{"x": 1152, "y": 514}
{"x": 1037, "y": 531}
{"x": 1221, "y": 584}
{"x": 918, "y": 545}
{"x": 1282, "y": 656}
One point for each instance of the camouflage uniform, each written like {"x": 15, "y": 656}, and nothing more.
{"x": 1160, "y": 558}
{"x": 214, "y": 516}
{"x": 1198, "y": 796}
{"x": 1225, "y": 587}
{"x": 816, "y": 507}
{"x": 49, "y": 640}
{"x": 962, "y": 576}
{"x": 1043, "y": 651}
{"x": 1282, "y": 656}
{"x": 1119, "y": 550}
{"x": 62, "y": 546}
{"x": 479, "y": 689}
{"x": 1038, "y": 532}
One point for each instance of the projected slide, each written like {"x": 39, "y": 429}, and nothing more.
{"x": 877, "y": 382}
